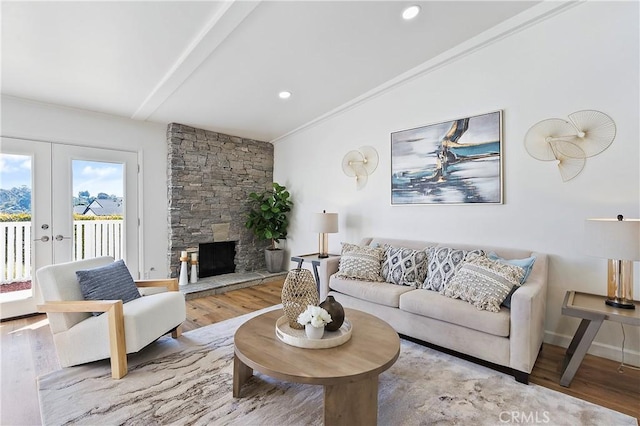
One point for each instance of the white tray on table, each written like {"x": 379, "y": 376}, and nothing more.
{"x": 298, "y": 338}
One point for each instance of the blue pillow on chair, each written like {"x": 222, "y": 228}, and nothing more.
{"x": 110, "y": 282}
{"x": 526, "y": 264}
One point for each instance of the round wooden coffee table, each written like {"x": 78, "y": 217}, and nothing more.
{"x": 349, "y": 372}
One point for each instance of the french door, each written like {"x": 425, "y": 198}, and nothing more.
{"x": 61, "y": 203}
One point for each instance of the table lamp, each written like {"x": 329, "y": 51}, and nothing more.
{"x": 617, "y": 240}
{"x": 324, "y": 223}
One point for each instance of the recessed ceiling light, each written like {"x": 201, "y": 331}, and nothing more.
{"x": 410, "y": 12}
{"x": 284, "y": 95}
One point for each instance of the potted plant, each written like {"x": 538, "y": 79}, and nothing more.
{"x": 268, "y": 219}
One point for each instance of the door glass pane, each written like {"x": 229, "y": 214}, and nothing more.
{"x": 98, "y": 209}
{"x": 15, "y": 224}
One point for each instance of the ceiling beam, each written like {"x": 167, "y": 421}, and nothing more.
{"x": 223, "y": 23}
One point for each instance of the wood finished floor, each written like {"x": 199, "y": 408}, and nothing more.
{"x": 27, "y": 352}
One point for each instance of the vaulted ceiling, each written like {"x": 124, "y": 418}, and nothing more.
{"x": 220, "y": 65}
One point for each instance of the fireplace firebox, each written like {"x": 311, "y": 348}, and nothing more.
{"x": 216, "y": 258}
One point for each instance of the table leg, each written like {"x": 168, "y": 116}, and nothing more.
{"x": 241, "y": 373}
{"x": 315, "y": 265}
{"x": 354, "y": 403}
{"x": 578, "y": 348}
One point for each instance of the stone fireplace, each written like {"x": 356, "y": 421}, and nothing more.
{"x": 210, "y": 178}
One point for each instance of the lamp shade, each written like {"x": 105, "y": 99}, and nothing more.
{"x": 613, "y": 239}
{"x": 325, "y": 223}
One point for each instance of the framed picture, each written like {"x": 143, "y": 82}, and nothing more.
{"x": 453, "y": 162}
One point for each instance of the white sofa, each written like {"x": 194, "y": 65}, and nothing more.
{"x": 510, "y": 339}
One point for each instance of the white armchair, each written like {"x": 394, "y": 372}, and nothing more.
{"x": 80, "y": 337}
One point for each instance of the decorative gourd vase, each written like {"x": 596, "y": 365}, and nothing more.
{"x": 298, "y": 292}
{"x": 336, "y": 311}
{"x": 314, "y": 332}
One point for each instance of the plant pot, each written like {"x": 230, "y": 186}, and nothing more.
{"x": 314, "y": 332}
{"x": 274, "y": 259}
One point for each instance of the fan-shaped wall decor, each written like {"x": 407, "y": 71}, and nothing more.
{"x": 596, "y": 131}
{"x": 571, "y": 159}
{"x": 360, "y": 164}
{"x": 570, "y": 143}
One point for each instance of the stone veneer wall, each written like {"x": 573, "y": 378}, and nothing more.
{"x": 210, "y": 178}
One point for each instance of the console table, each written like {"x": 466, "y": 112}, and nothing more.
{"x": 593, "y": 311}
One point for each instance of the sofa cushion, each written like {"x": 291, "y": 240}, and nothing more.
{"x": 404, "y": 266}
{"x": 145, "y": 319}
{"x": 526, "y": 264}
{"x": 483, "y": 282}
{"x": 109, "y": 282}
{"x": 59, "y": 282}
{"x": 374, "y": 292}
{"x": 443, "y": 264}
{"x": 434, "y": 305}
{"x": 360, "y": 262}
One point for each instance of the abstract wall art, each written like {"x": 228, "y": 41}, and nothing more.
{"x": 452, "y": 162}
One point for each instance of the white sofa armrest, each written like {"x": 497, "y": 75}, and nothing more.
{"x": 325, "y": 270}
{"x": 528, "y": 309}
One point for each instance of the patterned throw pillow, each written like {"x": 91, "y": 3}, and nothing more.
{"x": 484, "y": 283}
{"x": 360, "y": 262}
{"x": 443, "y": 264}
{"x": 404, "y": 266}
{"x": 526, "y": 264}
{"x": 110, "y": 282}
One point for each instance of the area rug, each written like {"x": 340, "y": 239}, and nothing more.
{"x": 188, "y": 382}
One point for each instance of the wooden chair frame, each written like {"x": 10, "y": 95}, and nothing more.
{"x": 115, "y": 316}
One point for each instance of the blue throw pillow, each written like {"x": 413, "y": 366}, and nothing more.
{"x": 110, "y": 282}
{"x": 526, "y": 264}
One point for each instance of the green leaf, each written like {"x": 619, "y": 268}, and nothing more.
{"x": 267, "y": 217}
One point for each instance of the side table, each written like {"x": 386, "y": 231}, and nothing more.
{"x": 593, "y": 311}
{"x": 324, "y": 264}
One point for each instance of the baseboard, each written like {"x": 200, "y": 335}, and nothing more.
{"x": 614, "y": 353}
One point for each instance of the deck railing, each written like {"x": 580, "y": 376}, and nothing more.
{"x": 91, "y": 238}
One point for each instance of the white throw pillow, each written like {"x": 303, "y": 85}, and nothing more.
{"x": 484, "y": 283}
{"x": 360, "y": 262}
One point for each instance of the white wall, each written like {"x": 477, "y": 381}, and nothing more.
{"x": 40, "y": 122}
{"x": 583, "y": 58}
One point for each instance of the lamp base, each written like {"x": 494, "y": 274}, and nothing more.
{"x": 323, "y": 245}
{"x": 620, "y": 284}
{"x": 620, "y": 303}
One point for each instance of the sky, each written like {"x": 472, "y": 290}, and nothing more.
{"x": 97, "y": 177}
{"x": 15, "y": 171}
{"x": 92, "y": 176}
